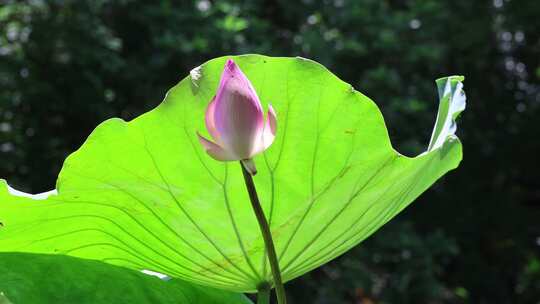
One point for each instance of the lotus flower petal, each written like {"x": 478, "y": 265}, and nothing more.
{"x": 216, "y": 151}
{"x": 234, "y": 118}
{"x": 209, "y": 120}
{"x": 270, "y": 127}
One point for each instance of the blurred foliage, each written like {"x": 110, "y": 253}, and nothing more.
{"x": 66, "y": 65}
{"x": 396, "y": 266}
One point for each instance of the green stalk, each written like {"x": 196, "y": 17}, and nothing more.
{"x": 263, "y": 295}
{"x": 267, "y": 236}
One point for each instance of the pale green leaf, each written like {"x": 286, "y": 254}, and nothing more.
{"x": 145, "y": 195}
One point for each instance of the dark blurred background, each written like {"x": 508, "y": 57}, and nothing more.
{"x": 474, "y": 237}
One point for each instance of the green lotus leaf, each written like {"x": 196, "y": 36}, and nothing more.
{"x": 42, "y": 278}
{"x": 144, "y": 195}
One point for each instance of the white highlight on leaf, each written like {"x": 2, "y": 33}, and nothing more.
{"x": 39, "y": 196}
{"x": 195, "y": 75}
{"x": 161, "y": 276}
{"x": 452, "y": 103}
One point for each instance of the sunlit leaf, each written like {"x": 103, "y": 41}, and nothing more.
{"x": 38, "y": 278}
{"x": 145, "y": 195}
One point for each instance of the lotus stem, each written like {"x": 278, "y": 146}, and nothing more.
{"x": 267, "y": 236}
{"x": 263, "y": 294}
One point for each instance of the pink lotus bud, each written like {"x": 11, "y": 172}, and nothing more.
{"x": 235, "y": 120}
